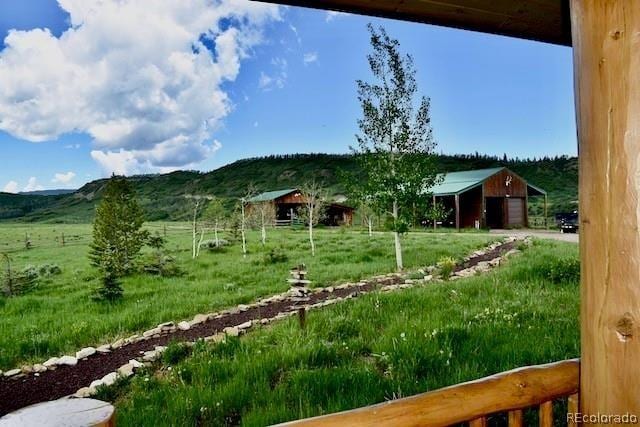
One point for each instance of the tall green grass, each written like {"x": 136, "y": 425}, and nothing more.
{"x": 374, "y": 348}
{"x": 60, "y": 316}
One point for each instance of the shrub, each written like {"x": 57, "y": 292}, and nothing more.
{"x": 214, "y": 246}
{"x": 275, "y": 256}
{"x": 562, "y": 270}
{"x": 19, "y": 282}
{"x": 22, "y": 281}
{"x": 445, "y": 267}
{"x": 156, "y": 241}
{"x": 175, "y": 352}
{"x": 49, "y": 270}
{"x": 160, "y": 264}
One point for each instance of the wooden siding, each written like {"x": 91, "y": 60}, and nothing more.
{"x": 495, "y": 186}
{"x": 295, "y": 197}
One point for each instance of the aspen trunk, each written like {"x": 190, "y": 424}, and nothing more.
{"x": 244, "y": 238}
{"x": 193, "y": 236}
{"x": 193, "y": 229}
{"x": 369, "y": 222}
{"x": 200, "y": 243}
{"x": 396, "y": 237}
{"x": 313, "y": 246}
{"x": 215, "y": 233}
{"x": 264, "y": 231}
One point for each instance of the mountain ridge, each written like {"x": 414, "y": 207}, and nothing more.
{"x": 163, "y": 195}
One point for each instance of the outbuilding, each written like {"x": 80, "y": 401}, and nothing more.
{"x": 494, "y": 198}
{"x": 289, "y": 201}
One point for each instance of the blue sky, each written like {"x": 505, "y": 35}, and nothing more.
{"x": 294, "y": 91}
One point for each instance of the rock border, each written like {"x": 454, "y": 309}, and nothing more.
{"x": 235, "y": 331}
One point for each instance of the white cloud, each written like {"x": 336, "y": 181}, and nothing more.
{"x": 32, "y": 185}
{"x": 333, "y": 14}
{"x": 310, "y": 57}
{"x": 63, "y": 178}
{"x": 72, "y": 146}
{"x": 277, "y": 79}
{"x": 11, "y": 187}
{"x": 136, "y": 75}
{"x": 164, "y": 157}
{"x": 295, "y": 32}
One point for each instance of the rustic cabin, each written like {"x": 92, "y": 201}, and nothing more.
{"x": 494, "y": 198}
{"x": 288, "y": 202}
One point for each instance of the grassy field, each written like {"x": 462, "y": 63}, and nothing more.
{"x": 378, "y": 347}
{"x": 59, "y": 316}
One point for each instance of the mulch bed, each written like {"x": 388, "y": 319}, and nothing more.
{"x": 18, "y": 392}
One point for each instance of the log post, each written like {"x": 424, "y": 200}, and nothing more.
{"x": 546, "y": 222}
{"x": 457, "y": 196}
{"x": 435, "y": 220}
{"x": 606, "y": 50}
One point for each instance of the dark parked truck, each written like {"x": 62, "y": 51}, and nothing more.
{"x": 567, "y": 222}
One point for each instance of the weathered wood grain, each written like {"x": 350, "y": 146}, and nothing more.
{"x": 606, "y": 53}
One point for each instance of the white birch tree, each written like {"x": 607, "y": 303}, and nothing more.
{"x": 197, "y": 230}
{"x": 266, "y": 213}
{"x": 314, "y": 208}
{"x": 215, "y": 216}
{"x": 367, "y": 213}
{"x": 395, "y": 145}
{"x": 244, "y": 220}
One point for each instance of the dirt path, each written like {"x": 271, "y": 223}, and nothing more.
{"x": 24, "y": 390}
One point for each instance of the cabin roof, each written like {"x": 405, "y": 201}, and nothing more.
{"x": 458, "y": 182}
{"x": 268, "y": 196}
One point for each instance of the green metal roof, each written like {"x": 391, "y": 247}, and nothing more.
{"x": 271, "y": 195}
{"x": 459, "y": 182}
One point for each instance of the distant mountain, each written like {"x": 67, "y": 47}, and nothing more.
{"x": 163, "y": 196}
{"x": 48, "y": 192}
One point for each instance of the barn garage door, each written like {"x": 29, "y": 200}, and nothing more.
{"x": 515, "y": 211}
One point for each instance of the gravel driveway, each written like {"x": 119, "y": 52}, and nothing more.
{"x": 542, "y": 234}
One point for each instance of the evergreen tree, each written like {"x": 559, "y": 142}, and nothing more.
{"x": 117, "y": 235}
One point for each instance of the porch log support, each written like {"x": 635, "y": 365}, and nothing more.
{"x": 606, "y": 37}
{"x": 546, "y": 222}
{"x": 483, "y": 207}
{"x": 457, "y": 196}
{"x": 435, "y": 220}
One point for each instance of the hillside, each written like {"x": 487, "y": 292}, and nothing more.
{"x": 52, "y": 192}
{"x": 162, "y": 196}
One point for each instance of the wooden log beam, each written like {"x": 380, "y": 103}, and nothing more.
{"x": 606, "y": 40}
{"x": 508, "y": 391}
{"x": 542, "y": 20}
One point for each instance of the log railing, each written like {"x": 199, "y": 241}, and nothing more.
{"x": 508, "y": 392}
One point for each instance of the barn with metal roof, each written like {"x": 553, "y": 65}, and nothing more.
{"x": 288, "y": 202}
{"x": 494, "y": 198}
